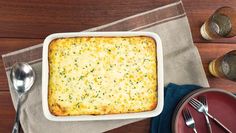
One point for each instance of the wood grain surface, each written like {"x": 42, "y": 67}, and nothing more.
{"x": 26, "y": 23}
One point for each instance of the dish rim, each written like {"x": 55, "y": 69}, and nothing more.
{"x": 186, "y": 99}
{"x": 160, "y": 76}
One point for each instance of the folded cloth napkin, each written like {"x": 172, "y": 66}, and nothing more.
{"x": 182, "y": 65}
{"x": 173, "y": 94}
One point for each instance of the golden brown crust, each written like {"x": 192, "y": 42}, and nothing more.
{"x": 102, "y": 75}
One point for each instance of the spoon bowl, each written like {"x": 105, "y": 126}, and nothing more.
{"x": 22, "y": 77}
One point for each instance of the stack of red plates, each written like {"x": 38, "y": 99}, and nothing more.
{"x": 222, "y": 105}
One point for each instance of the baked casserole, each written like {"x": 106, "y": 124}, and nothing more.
{"x": 102, "y": 75}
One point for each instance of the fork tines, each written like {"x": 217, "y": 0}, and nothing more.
{"x": 189, "y": 121}
{"x": 195, "y": 103}
{"x": 203, "y": 100}
{"x": 186, "y": 114}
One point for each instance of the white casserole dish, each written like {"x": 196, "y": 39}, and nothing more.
{"x": 45, "y": 77}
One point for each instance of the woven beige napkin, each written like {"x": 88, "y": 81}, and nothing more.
{"x": 182, "y": 65}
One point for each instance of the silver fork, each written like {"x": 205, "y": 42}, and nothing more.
{"x": 203, "y": 100}
{"x": 189, "y": 121}
{"x": 201, "y": 108}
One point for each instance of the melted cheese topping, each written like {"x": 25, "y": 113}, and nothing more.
{"x": 102, "y": 75}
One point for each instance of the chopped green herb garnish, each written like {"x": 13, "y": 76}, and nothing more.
{"x": 78, "y": 105}
{"x": 90, "y": 87}
{"x": 92, "y": 70}
{"x": 81, "y": 77}
{"x": 70, "y": 97}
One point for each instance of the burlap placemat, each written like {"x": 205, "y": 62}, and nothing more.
{"x": 182, "y": 65}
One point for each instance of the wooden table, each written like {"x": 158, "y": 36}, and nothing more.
{"x": 25, "y": 23}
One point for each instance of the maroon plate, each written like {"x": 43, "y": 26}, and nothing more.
{"x": 222, "y": 105}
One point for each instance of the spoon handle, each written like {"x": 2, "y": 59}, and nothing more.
{"x": 15, "y": 128}
{"x": 17, "y": 121}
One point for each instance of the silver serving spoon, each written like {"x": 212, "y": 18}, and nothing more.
{"x": 22, "y": 77}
